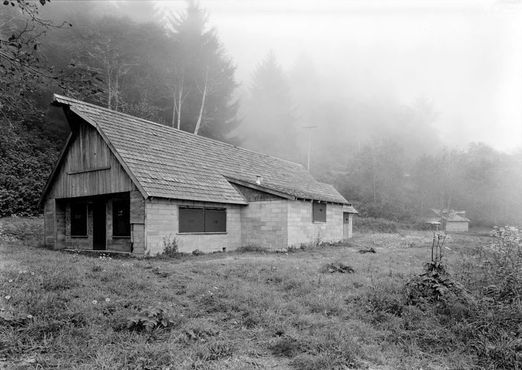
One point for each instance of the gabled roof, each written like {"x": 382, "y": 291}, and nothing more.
{"x": 451, "y": 215}
{"x": 169, "y": 163}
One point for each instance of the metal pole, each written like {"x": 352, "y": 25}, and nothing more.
{"x": 309, "y": 128}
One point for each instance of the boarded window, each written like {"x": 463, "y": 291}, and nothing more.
{"x": 121, "y": 217}
{"x": 78, "y": 219}
{"x": 215, "y": 220}
{"x": 202, "y": 220}
{"x": 318, "y": 212}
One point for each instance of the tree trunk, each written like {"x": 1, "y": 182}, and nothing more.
{"x": 203, "y": 98}
{"x": 176, "y": 109}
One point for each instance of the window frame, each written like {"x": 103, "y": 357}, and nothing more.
{"x": 314, "y": 212}
{"x": 204, "y": 220}
{"x": 125, "y": 201}
{"x": 86, "y": 219}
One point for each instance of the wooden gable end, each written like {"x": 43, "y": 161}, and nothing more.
{"x": 253, "y": 195}
{"x": 88, "y": 168}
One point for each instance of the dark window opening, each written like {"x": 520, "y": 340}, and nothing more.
{"x": 121, "y": 217}
{"x": 202, "y": 220}
{"x": 318, "y": 212}
{"x": 78, "y": 219}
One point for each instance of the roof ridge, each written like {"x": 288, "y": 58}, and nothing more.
{"x": 55, "y": 96}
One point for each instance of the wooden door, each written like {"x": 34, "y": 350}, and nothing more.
{"x": 347, "y": 225}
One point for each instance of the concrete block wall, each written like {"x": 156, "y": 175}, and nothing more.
{"x": 264, "y": 224}
{"x": 137, "y": 220}
{"x": 455, "y": 227}
{"x": 302, "y": 230}
{"x": 162, "y": 222}
{"x": 49, "y": 222}
{"x": 60, "y": 225}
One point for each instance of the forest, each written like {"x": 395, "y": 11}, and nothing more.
{"x": 384, "y": 156}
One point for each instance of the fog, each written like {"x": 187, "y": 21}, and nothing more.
{"x": 464, "y": 57}
{"x": 402, "y": 105}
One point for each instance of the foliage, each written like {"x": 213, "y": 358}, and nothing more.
{"x": 28, "y": 145}
{"x": 27, "y": 230}
{"x": 170, "y": 247}
{"x": 301, "y": 318}
{"x": 104, "y": 59}
{"x": 201, "y": 77}
{"x": 335, "y": 267}
{"x": 251, "y": 248}
{"x": 501, "y": 266}
{"x": 269, "y": 121}
{"x": 150, "y": 319}
{"x": 28, "y": 152}
{"x": 374, "y": 225}
{"x": 434, "y": 285}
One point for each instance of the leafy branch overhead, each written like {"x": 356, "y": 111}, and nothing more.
{"x": 24, "y": 70}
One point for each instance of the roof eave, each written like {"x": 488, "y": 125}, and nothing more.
{"x": 51, "y": 177}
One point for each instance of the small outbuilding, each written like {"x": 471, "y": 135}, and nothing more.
{"x": 127, "y": 184}
{"x": 450, "y": 220}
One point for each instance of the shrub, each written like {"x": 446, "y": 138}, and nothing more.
{"x": 379, "y": 225}
{"x": 150, "y": 319}
{"x": 26, "y": 229}
{"x": 501, "y": 265}
{"x": 170, "y": 247}
{"x": 252, "y": 248}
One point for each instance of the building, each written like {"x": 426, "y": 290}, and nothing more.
{"x": 450, "y": 220}
{"x": 130, "y": 185}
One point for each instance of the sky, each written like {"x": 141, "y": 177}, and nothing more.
{"x": 464, "y": 57}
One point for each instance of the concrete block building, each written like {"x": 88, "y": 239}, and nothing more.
{"x": 130, "y": 185}
{"x": 449, "y": 220}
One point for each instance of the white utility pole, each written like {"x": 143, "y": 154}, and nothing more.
{"x": 309, "y": 128}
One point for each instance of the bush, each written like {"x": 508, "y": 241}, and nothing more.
{"x": 150, "y": 319}
{"x": 378, "y": 225}
{"x": 252, "y": 248}
{"x": 170, "y": 247}
{"x": 481, "y": 315}
{"x": 26, "y": 229}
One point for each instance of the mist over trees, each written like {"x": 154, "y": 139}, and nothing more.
{"x": 269, "y": 120}
{"x": 385, "y": 156}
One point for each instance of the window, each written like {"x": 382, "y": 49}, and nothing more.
{"x": 121, "y": 218}
{"x": 202, "y": 220}
{"x": 318, "y": 212}
{"x": 79, "y": 219}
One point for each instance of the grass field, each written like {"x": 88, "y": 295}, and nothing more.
{"x": 238, "y": 310}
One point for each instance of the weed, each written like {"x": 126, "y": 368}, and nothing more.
{"x": 252, "y": 248}
{"x": 170, "y": 247}
{"x": 149, "y": 319}
{"x": 337, "y": 267}
{"x": 215, "y": 350}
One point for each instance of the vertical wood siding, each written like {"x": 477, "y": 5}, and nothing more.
{"x": 89, "y": 168}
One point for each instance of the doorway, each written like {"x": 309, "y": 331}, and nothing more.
{"x": 98, "y": 225}
{"x": 347, "y": 225}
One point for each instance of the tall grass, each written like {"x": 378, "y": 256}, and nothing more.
{"x": 252, "y": 310}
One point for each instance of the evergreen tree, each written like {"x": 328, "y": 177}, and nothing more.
{"x": 269, "y": 121}
{"x": 202, "y": 78}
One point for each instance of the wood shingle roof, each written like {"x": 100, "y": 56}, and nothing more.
{"x": 171, "y": 163}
